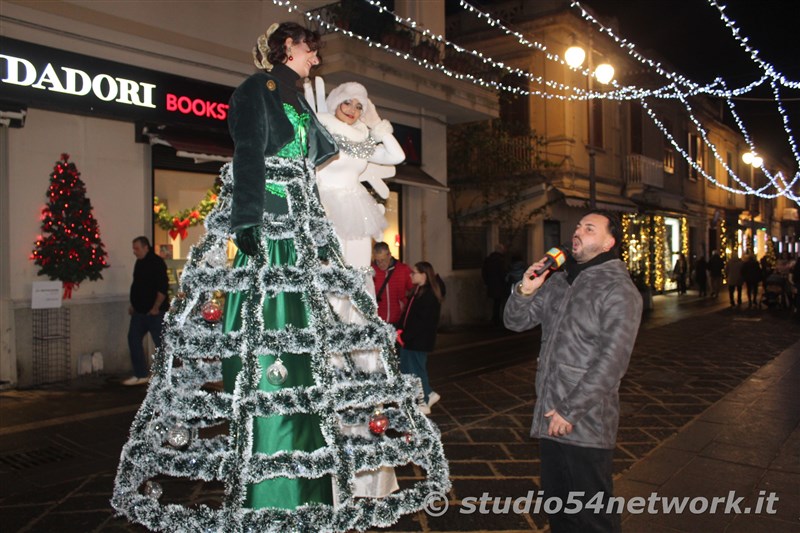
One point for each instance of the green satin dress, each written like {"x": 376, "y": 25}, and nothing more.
{"x": 280, "y": 433}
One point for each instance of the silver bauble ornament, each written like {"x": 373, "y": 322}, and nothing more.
{"x": 216, "y": 258}
{"x": 276, "y": 373}
{"x": 153, "y": 489}
{"x": 179, "y": 437}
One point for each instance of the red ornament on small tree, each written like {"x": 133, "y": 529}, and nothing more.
{"x": 70, "y": 249}
{"x": 378, "y": 423}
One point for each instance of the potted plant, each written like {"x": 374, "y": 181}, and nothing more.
{"x": 397, "y": 38}
{"x": 426, "y": 50}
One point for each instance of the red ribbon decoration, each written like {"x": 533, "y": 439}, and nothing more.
{"x": 68, "y": 286}
{"x": 180, "y": 227}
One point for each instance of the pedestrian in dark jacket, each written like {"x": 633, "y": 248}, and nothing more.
{"x": 715, "y": 267}
{"x": 417, "y": 331}
{"x": 701, "y": 275}
{"x": 493, "y": 272}
{"x": 751, "y": 272}
{"x": 679, "y": 272}
{"x": 148, "y": 303}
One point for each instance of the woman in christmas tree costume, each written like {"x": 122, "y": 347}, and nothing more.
{"x": 268, "y": 116}
{"x": 274, "y": 436}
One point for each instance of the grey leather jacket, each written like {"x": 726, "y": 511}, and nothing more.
{"x": 588, "y": 331}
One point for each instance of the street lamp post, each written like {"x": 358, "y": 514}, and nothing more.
{"x": 755, "y": 161}
{"x": 604, "y": 73}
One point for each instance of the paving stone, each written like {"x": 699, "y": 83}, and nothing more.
{"x": 16, "y": 517}
{"x": 526, "y": 451}
{"x": 49, "y": 494}
{"x": 643, "y": 422}
{"x": 456, "y": 520}
{"x": 751, "y": 523}
{"x": 659, "y": 434}
{"x": 493, "y": 435}
{"x": 786, "y": 486}
{"x": 788, "y": 459}
{"x": 83, "y": 502}
{"x": 517, "y": 468}
{"x": 76, "y": 522}
{"x": 486, "y": 452}
{"x": 638, "y": 451}
{"x": 495, "y": 488}
{"x": 455, "y": 435}
{"x": 760, "y": 456}
{"x": 660, "y": 466}
{"x": 632, "y": 435}
{"x": 470, "y": 469}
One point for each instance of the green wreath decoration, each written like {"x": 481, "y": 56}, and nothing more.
{"x": 178, "y": 223}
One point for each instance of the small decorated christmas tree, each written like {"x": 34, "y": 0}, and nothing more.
{"x": 70, "y": 249}
{"x": 190, "y": 429}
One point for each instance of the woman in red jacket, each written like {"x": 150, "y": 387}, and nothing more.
{"x": 417, "y": 331}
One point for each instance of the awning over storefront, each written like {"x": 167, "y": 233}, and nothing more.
{"x": 580, "y": 198}
{"x": 414, "y": 176}
{"x": 200, "y": 147}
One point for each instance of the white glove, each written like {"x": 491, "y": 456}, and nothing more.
{"x": 370, "y": 115}
{"x": 381, "y": 130}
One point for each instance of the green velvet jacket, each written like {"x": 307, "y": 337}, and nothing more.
{"x": 259, "y": 128}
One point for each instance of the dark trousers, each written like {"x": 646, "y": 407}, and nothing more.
{"x": 140, "y": 325}
{"x": 498, "y": 306}
{"x": 416, "y": 363}
{"x": 702, "y": 285}
{"x": 681, "y": 283}
{"x": 752, "y": 293}
{"x": 567, "y": 468}
{"x": 738, "y": 289}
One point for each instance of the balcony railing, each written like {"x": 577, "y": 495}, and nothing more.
{"x": 641, "y": 171}
{"x": 381, "y": 28}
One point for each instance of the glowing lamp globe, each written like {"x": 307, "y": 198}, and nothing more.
{"x": 757, "y": 161}
{"x": 575, "y": 56}
{"x": 604, "y": 73}
{"x": 747, "y": 157}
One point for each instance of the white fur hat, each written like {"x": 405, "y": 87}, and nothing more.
{"x": 346, "y": 91}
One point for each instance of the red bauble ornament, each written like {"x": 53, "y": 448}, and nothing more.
{"x": 378, "y": 423}
{"x": 211, "y": 311}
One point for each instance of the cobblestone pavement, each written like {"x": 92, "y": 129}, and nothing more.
{"x": 677, "y": 372}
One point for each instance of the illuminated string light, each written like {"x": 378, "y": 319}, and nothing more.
{"x": 782, "y": 187}
{"x": 769, "y": 72}
{"x": 685, "y": 238}
{"x": 660, "y": 231}
{"x": 620, "y": 93}
{"x": 747, "y": 189}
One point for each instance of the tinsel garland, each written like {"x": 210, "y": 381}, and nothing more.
{"x": 190, "y": 357}
{"x": 357, "y": 149}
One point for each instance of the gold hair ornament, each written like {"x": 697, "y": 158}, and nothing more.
{"x": 262, "y": 47}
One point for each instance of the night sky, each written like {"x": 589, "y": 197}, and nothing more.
{"x": 689, "y": 35}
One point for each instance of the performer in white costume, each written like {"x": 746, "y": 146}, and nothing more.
{"x": 367, "y": 152}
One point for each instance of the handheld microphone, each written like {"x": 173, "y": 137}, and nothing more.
{"x": 554, "y": 258}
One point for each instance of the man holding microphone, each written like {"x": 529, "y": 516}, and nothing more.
{"x": 590, "y": 313}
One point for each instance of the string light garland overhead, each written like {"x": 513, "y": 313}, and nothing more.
{"x": 679, "y": 87}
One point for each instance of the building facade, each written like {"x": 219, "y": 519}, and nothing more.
{"x": 668, "y": 205}
{"x": 137, "y": 94}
